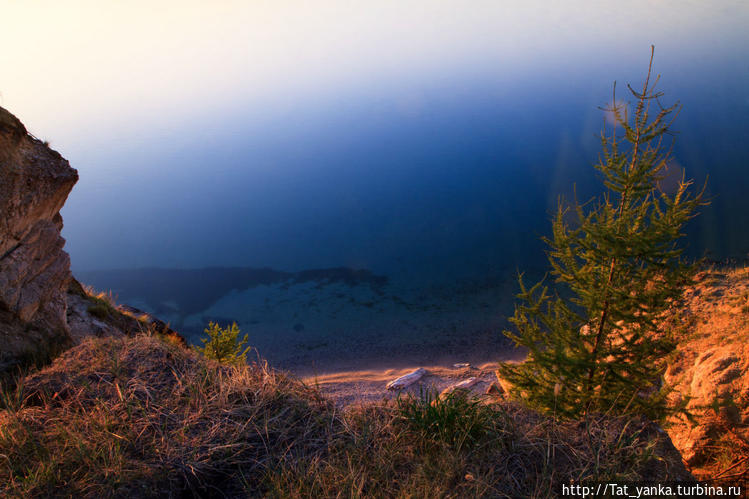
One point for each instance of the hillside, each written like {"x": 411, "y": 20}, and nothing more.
{"x": 140, "y": 416}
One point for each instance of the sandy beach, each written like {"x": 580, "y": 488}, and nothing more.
{"x": 361, "y": 387}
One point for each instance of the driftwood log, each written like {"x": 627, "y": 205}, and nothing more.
{"x": 407, "y": 379}
{"x": 463, "y": 385}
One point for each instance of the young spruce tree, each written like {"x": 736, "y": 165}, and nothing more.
{"x": 593, "y": 346}
{"x": 223, "y": 344}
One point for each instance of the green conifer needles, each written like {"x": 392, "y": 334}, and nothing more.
{"x": 594, "y": 345}
{"x": 223, "y": 344}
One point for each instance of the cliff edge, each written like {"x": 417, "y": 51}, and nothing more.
{"x": 34, "y": 270}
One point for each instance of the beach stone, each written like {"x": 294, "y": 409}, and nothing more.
{"x": 504, "y": 385}
{"x": 495, "y": 390}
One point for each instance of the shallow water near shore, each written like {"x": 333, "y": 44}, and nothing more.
{"x": 337, "y": 320}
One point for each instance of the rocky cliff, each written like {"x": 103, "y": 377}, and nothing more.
{"x": 43, "y": 309}
{"x": 34, "y": 270}
{"x": 710, "y": 372}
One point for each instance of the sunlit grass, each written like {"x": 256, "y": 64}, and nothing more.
{"x": 143, "y": 417}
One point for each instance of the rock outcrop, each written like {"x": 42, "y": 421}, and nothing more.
{"x": 34, "y": 270}
{"x": 43, "y": 309}
{"x": 710, "y": 372}
{"x": 91, "y": 314}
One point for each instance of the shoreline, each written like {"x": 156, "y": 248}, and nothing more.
{"x": 349, "y": 388}
{"x": 368, "y": 384}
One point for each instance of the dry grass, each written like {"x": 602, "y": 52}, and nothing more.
{"x": 104, "y": 303}
{"x": 518, "y": 454}
{"x": 145, "y": 418}
{"x": 142, "y": 417}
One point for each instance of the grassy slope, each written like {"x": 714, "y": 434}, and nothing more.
{"x": 143, "y": 417}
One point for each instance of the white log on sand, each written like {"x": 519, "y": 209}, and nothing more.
{"x": 406, "y": 380}
{"x": 463, "y": 385}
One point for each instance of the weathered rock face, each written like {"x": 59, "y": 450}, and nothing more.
{"x": 34, "y": 270}
{"x": 710, "y": 371}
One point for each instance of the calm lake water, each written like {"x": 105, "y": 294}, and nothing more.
{"x": 440, "y": 171}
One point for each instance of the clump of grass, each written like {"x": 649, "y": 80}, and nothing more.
{"x": 99, "y": 310}
{"x": 456, "y": 419}
{"x": 102, "y": 303}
